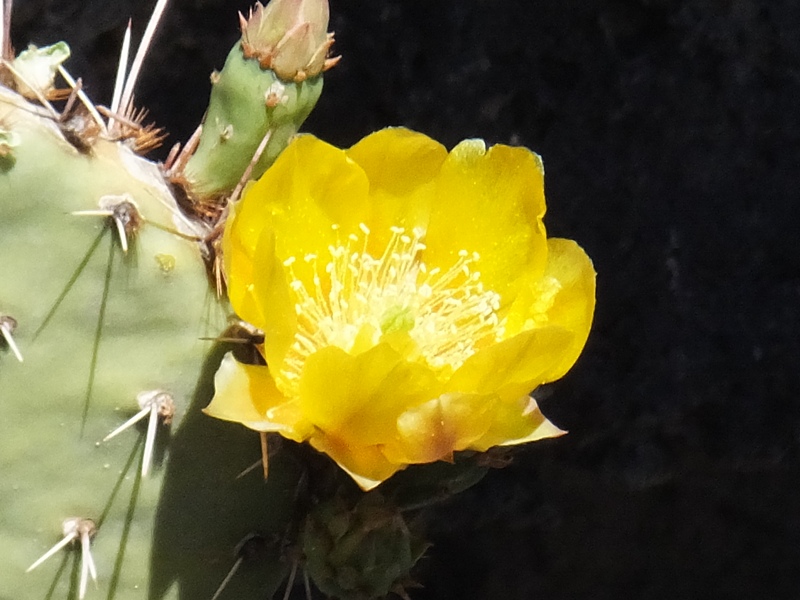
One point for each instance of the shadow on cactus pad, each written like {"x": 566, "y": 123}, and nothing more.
{"x": 211, "y": 517}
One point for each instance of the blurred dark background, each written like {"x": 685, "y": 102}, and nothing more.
{"x": 669, "y": 130}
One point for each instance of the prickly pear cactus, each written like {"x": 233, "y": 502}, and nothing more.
{"x": 114, "y": 482}
{"x": 96, "y": 328}
{"x": 109, "y": 312}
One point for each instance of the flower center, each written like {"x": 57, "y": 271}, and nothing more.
{"x": 357, "y": 299}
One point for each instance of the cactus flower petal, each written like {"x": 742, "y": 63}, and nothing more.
{"x": 517, "y": 422}
{"x": 410, "y": 300}
{"x": 247, "y": 393}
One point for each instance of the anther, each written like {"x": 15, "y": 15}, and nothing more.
{"x": 155, "y": 403}
{"x": 447, "y": 311}
{"x": 7, "y": 327}
{"x": 123, "y": 211}
{"x": 75, "y": 529}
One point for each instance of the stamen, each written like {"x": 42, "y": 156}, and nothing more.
{"x": 352, "y": 294}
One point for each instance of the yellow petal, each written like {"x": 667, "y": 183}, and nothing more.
{"x": 365, "y": 464}
{"x": 260, "y": 294}
{"x": 573, "y": 309}
{"x": 564, "y": 297}
{"x": 435, "y": 429}
{"x": 512, "y": 367}
{"x": 311, "y": 187}
{"x": 270, "y": 291}
{"x": 357, "y": 399}
{"x": 247, "y": 394}
{"x": 516, "y": 422}
{"x": 489, "y": 202}
{"x": 401, "y": 166}
{"x": 397, "y": 160}
{"x": 238, "y": 251}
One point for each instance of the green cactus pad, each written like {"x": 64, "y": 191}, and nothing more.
{"x": 246, "y": 103}
{"x": 96, "y": 327}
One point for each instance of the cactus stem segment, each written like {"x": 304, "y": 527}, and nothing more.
{"x": 249, "y": 170}
{"x": 7, "y": 327}
{"x": 70, "y": 283}
{"x": 98, "y": 335}
{"x": 248, "y": 548}
{"x": 75, "y": 528}
{"x": 123, "y": 211}
{"x": 155, "y": 403}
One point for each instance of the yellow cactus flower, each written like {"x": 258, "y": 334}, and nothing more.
{"x": 410, "y": 300}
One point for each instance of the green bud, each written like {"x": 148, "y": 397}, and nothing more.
{"x": 35, "y": 69}
{"x": 361, "y": 552}
{"x": 268, "y": 86}
{"x": 289, "y": 37}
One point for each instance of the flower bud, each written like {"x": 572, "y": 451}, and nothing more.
{"x": 35, "y": 69}
{"x": 361, "y": 551}
{"x": 290, "y": 37}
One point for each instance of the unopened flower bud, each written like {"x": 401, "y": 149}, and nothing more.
{"x": 35, "y": 69}
{"x": 290, "y": 37}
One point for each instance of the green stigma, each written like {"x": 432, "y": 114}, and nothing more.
{"x": 397, "y": 318}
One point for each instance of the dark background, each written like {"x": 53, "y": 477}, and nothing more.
{"x": 669, "y": 130}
